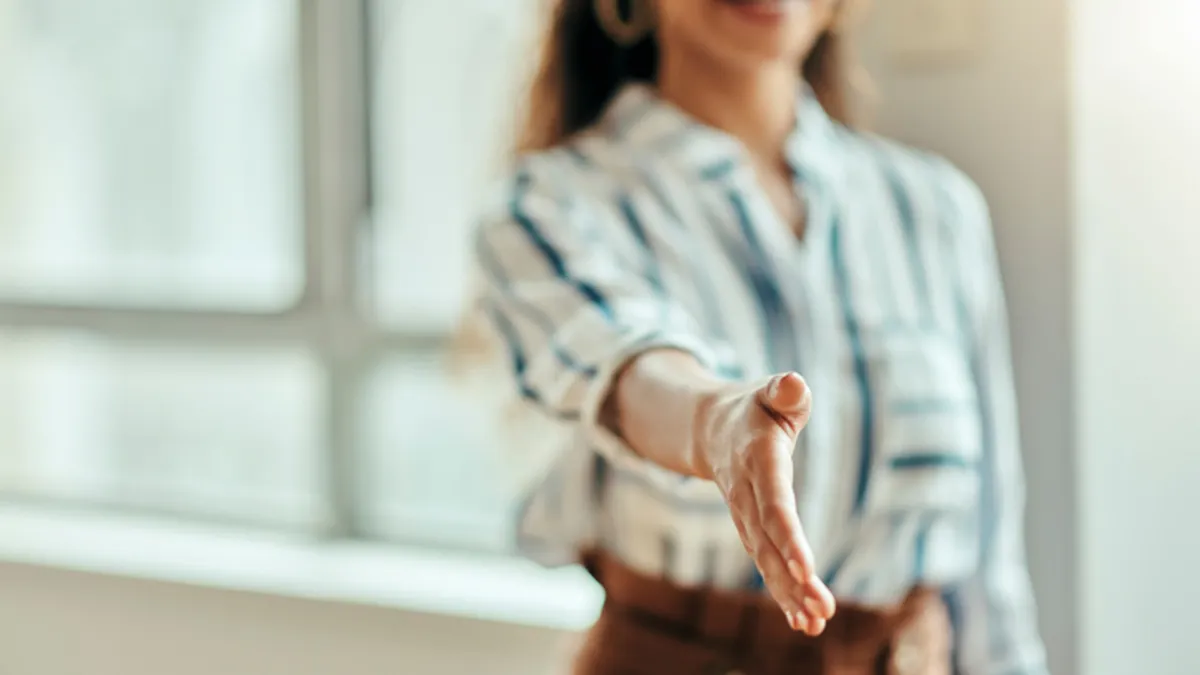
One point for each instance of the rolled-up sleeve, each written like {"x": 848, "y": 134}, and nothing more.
{"x": 996, "y": 611}
{"x": 567, "y": 291}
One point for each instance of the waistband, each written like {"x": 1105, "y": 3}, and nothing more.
{"x": 749, "y": 628}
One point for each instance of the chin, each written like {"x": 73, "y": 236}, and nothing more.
{"x": 768, "y": 30}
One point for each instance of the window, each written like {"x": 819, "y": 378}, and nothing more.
{"x": 444, "y": 101}
{"x": 232, "y": 249}
{"x": 193, "y": 429}
{"x": 151, "y": 153}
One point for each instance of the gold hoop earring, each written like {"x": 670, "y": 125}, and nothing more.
{"x": 625, "y": 32}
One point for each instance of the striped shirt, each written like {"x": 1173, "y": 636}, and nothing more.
{"x": 651, "y": 230}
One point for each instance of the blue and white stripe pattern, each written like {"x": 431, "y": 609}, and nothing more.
{"x": 650, "y": 230}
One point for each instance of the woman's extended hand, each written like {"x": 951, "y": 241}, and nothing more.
{"x": 744, "y": 439}
{"x": 672, "y": 411}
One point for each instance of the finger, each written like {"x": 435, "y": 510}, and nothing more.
{"x": 818, "y": 593}
{"x": 798, "y": 621}
{"x": 802, "y": 611}
{"x": 782, "y": 587}
{"x": 814, "y": 608}
{"x": 775, "y": 495}
{"x": 817, "y": 597}
{"x": 787, "y": 398}
{"x": 744, "y": 508}
{"x": 818, "y": 607}
{"x": 771, "y": 476}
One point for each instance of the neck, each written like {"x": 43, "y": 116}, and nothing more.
{"x": 755, "y": 106}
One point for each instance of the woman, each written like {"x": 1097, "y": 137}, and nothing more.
{"x": 693, "y": 226}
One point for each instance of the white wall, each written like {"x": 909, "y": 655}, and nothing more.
{"x": 67, "y": 623}
{"x": 1137, "y": 188}
{"x": 1001, "y": 113}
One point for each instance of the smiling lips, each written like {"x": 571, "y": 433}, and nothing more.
{"x": 763, "y": 10}
{"x": 774, "y": 5}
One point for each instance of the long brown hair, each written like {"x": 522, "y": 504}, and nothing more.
{"x": 581, "y": 68}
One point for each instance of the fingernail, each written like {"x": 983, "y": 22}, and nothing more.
{"x": 791, "y": 619}
{"x": 773, "y": 388}
{"x": 797, "y": 572}
{"x": 816, "y": 627}
{"x": 813, "y": 607}
{"x": 821, "y": 592}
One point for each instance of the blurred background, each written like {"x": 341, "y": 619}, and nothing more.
{"x": 232, "y": 255}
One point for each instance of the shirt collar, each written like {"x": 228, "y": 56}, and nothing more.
{"x": 639, "y": 117}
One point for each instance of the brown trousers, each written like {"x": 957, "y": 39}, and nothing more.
{"x": 652, "y": 627}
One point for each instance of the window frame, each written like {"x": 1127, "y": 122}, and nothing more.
{"x": 332, "y": 315}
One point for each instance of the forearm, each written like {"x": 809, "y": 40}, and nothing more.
{"x": 657, "y": 403}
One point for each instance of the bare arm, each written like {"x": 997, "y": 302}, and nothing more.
{"x": 655, "y": 404}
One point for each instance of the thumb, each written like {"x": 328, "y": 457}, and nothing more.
{"x": 787, "y": 396}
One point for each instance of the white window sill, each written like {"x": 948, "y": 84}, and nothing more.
{"x": 408, "y": 578}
